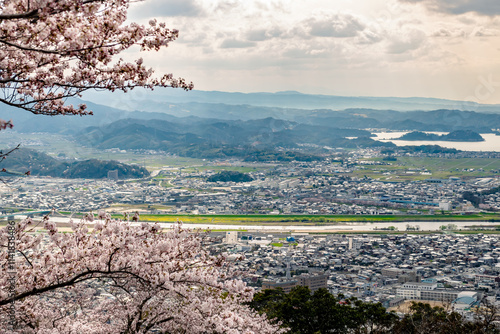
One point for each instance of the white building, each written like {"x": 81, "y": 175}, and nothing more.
{"x": 232, "y": 237}
{"x": 445, "y": 206}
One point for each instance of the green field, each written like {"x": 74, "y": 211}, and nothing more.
{"x": 241, "y": 169}
{"x": 440, "y": 168}
{"x": 310, "y": 220}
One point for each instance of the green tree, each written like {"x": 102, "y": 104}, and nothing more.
{"x": 372, "y": 318}
{"x": 321, "y": 312}
{"x": 424, "y": 319}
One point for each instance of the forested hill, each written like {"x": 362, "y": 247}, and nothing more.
{"x": 39, "y": 163}
{"x": 230, "y": 176}
{"x": 459, "y": 136}
{"x": 136, "y": 134}
{"x": 209, "y": 138}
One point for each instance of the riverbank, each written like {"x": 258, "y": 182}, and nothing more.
{"x": 314, "y": 220}
{"x": 478, "y": 223}
{"x": 65, "y": 228}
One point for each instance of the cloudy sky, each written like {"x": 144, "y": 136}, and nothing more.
{"x": 429, "y": 48}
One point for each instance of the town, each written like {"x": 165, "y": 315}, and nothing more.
{"x": 450, "y": 270}
{"x": 446, "y": 268}
{"x": 362, "y": 183}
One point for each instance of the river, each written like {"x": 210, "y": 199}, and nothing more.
{"x": 401, "y": 226}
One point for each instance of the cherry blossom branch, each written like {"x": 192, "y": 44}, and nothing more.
{"x": 75, "y": 280}
{"x": 165, "y": 281}
{"x": 62, "y": 48}
{"x": 33, "y": 14}
{"x": 4, "y": 155}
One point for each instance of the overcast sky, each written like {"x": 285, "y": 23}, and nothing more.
{"x": 428, "y": 48}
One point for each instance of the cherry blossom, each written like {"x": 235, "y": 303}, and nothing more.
{"x": 123, "y": 278}
{"x": 54, "y": 49}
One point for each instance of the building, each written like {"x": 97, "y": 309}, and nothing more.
{"x": 430, "y": 292}
{"x": 465, "y": 301}
{"x": 414, "y": 290}
{"x": 287, "y": 286}
{"x": 445, "y": 206}
{"x": 313, "y": 281}
{"x": 391, "y": 272}
{"x": 354, "y": 243}
{"x": 231, "y": 237}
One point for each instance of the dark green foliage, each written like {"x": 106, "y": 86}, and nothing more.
{"x": 433, "y": 319}
{"x": 431, "y": 149}
{"x": 230, "y": 176}
{"x": 98, "y": 169}
{"x": 39, "y": 163}
{"x": 458, "y": 135}
{"x": 266, "y": 139}
{"x": 476, "y": 198}
{"x": 472, "y": 197}
{"x": 436, "y": 320}
{"x": 321, "y": 312}
{"x": 283, "y": 156}
{"x": 491, "y": 191}
{"x": 371, "y": 318}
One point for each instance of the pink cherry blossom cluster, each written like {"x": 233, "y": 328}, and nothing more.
{"x": 121, "y": 278}
{"x": 6, "y": 124}
{"x": 54, "y": 49}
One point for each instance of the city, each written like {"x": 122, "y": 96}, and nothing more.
{"x": 249, "y": 167}
{"x": 328, "y": 187}
{"x": 449, "y": 269}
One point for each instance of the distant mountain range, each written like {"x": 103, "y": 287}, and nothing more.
{"x": 186, "y": 115}
{"x": 161, "y": 98}
{"x": 250, "y": 126}
{"x": 209, "y": 138}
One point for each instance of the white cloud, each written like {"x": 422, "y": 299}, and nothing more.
{"x": 485, "y": 32}
{"x": 263, "y": 34}
{"x": 231, "y": 43}
{"x": 406, "y": 41}
{"x": 348, "y": 46}
{"x": 369, "y": 36}
{"x": 442, "y": 33}
{"x": 335, "y": 25}
{"x": 482, "y": 7}
{"x": 164, "y": 8}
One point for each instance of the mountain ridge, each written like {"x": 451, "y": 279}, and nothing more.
{"x": 288, "y": 99}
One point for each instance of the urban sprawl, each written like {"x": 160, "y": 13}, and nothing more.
{"x": 456, "y": 270}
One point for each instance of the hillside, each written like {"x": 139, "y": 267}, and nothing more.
{"x": 230, "y": 176}
{"x": 210, "y": 138}
{"x": 41, "y": 164}
{"x": 189, "y": 113}
{"x": 457, "y": 136}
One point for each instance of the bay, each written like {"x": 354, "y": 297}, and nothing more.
{"x": 491, "y": 141}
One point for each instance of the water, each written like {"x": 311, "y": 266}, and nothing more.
{"x": 401, "y": 226}
{"x": 491, "y": 141}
